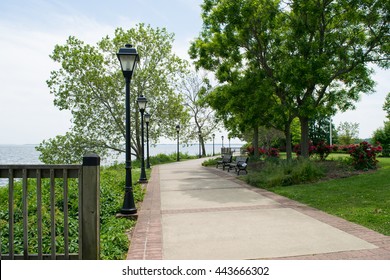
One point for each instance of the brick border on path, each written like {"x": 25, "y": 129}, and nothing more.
{"x": 146, "y": 240}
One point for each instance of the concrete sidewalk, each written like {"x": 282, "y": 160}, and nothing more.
{"x": 193, "y": 212}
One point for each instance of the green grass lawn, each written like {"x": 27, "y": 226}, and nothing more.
{"x": 363, "y": 199}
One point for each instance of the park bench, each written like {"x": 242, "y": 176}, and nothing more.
{"x": 225, "y": 161}
{"x": 240, "y": 164}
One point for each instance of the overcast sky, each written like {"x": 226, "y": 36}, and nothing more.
{"x": 30, "y": 29}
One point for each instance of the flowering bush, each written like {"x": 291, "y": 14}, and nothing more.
{"x": 323, "y": 150}
{"x": 273, "y": 152}
{"x": 364, "y": 155}
{"x": 346, "y": 148}
{"x": 335, "y": 148}
{"x": 251, "y": 151}
{"x": 297, "y": 149}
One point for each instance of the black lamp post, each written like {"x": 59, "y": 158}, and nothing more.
{"x": 200, "y": 153}
{"x": 229, "y": 142}
{"x": 141, "y": 100}
{"x": 213, "y": 144}
{"x": 147, "y": 120}
{"x": 128, "y": 58}
{"x": 177, "y": 130}
{"x": 222, "y": 140}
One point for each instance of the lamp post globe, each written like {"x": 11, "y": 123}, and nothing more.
{"x": 128, "y": 59}
{"x": 147, "y": 120}
{"x": 141, "y": 100}
{"x": 178, "y": 152}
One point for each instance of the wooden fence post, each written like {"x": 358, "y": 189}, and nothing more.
{"x": 90, "y": 208}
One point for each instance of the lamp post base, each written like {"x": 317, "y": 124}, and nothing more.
{"x": 130, "y": 211}
{"x": 127, "y": 216}
{"x": 128, "y": 202}
{"x": 142, "y": 181}
{"x": 142, "y": 178}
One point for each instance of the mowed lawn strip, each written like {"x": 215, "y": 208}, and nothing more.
{"x": 363, "y": 199}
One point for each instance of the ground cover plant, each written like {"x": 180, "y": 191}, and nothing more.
{"x": 113, "y": 239}
{"x": 210, "y": 162}
{"x": 276, "y": 172}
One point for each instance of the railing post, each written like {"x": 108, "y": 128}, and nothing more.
{"x": 90, "y": 208}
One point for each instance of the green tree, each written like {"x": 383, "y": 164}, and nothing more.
{"x": 90, "y": 84}
{"x": 238, "y": 45}
{"x": 382, "y": 135}
{"x": 386, "y": 106}
{"x": 243, "y": 104}
{"x": 348, "y": 133}
{"x": 195, "y": 89}
{"x": 319, "y": 129}
{"x": 332, "y": 44}
{"x": 315, "y": 53}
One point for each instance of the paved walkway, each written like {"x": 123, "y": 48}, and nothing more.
{"x": 193, "y": 212}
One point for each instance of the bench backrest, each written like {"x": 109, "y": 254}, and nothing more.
{"x": 242, "y": 159}
{"x": 227, "y": 158}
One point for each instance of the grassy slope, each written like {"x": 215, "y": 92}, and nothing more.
{"x": 363, "y": 199}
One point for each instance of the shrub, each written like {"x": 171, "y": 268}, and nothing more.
{"x": 305, "y": 171}
{"x": 163, "y": 158}
{"x": 251, "y": 151}
{"x": 273, "y": 153}
{"x": 364, "y": 155}
{"x": 297, "y": 149}
{"x": 323, "y": 150}
{"x": 283, "y": 173}
{"x": 386, "y": 152}
{"x": 210, "y": 162}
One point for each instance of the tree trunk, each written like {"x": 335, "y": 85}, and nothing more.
{"x": 287, "y": 133}
{"x": 304, "y": 136}
{"x": 255, "y": 143}
{"x": 203, "y": 147}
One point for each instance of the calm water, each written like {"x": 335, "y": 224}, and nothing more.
{"x": 26, "y": 154}
{"x": 17, "y": 154}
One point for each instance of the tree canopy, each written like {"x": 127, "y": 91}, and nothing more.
{"x": 382, "y": 135}
{"x": 386, "y": 106}
{"x": 315, "y": 54}
{"x": 348, "y": 133}
{"x": 90, "y": 84}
